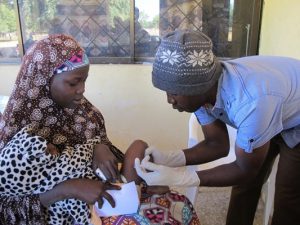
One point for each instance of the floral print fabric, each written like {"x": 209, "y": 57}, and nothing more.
{"x": 31, "y": 102}
{"x": 168, "y": 209}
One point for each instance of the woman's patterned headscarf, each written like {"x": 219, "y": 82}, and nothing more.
{"x": 31, "y": 101}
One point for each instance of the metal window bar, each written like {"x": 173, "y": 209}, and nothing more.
{"x": 132, "y": 56}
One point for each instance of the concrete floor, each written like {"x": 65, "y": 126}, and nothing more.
{"x": 212, "y": 204}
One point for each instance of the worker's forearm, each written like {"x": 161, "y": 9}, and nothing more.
{"x": 205, "y": 152}
{"x": 225, "y": 175}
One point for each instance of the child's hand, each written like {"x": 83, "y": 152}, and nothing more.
{"x": 52, "y": 150}
{"x": 106, "y": 161}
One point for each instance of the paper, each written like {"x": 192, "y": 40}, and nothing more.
{"x": 127, "y": 201}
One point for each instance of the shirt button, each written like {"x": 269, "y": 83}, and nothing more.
{"x": 251, "y": 140}
{"x": 221, "y": 114}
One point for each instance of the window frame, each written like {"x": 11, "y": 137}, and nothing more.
{"x": 252, "y": 39}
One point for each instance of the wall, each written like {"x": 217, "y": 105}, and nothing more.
{"x": 132, "y": 107}
{"x": 280, "y": 30}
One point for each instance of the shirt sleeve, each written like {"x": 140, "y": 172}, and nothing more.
{"x": 204, "y": 116}
{"x": 258, "y": 121}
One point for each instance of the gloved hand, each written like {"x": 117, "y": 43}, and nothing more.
{"x": 171, "y": 158}
{"x": 163, "y": 175}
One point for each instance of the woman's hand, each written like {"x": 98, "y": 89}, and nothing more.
{"x": 87, "y": 190}
{"x": 91, "y": 191}
{"x": 105, "y": 160}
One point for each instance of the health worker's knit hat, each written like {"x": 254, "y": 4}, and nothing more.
{"x": 185, "y": 64}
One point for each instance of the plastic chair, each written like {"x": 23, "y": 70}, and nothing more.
{"x": 192, "y": 192}
{"x": 195, "y": 136}
{"x": 269, "y": 192}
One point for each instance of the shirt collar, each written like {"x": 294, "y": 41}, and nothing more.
{"x": 219, "y": 104}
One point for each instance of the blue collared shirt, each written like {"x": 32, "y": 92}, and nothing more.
{"x": 260, "y": 97}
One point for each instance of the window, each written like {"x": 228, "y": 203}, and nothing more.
{"x": 128, "y": 31}
{"x": 9, "y": 50}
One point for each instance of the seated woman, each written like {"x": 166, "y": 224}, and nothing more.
{"x": 48, "y": 97}
{"x": 49, "y": 167}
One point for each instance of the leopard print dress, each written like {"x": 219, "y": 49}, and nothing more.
{"x": 27, "y": 169}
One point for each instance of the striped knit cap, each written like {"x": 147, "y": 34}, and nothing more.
{"x": 185, "y": 64}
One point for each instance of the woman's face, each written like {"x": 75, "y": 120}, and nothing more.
{"x": 67, "y": 88}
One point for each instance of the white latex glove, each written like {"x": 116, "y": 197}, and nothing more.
{"x": 164, "y": 175}
{"x": 171, "y": 158}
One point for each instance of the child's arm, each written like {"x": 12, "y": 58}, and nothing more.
{"x": 137, "y": 150}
